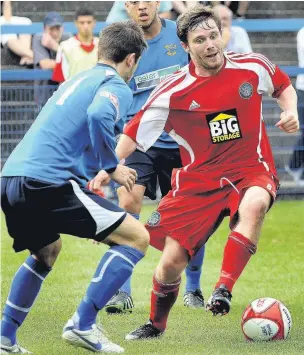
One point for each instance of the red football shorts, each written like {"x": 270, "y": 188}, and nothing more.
{"x": 192, "y": 219}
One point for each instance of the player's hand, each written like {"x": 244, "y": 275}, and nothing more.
{"x": 124, "y": 176}
{"x": 101, "y": 179}
{"x": 289, "y": 122}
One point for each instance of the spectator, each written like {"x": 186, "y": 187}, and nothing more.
{"x": 296, "y": 163}
{"x": 238, "y": 8}
{"x": 236, "y": 38}
{"x": 180, "y": 7}
{"x": 78, "y": 53}
{"x": 45, "y": 48}
{"x": 18, "y": 44}
{"x": 119, "y": 13}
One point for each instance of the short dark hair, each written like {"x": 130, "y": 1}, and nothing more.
{"x": 119, "y": 39}
{"x": 84, "y": 12}
{"x": 193, "y": 17}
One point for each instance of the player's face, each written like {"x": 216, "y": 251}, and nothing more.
{"x": 205, "y": 46}
{"x": 142, "y": 12}
{"x": 85, "y": 25}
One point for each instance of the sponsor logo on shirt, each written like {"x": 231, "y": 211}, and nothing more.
{"x": 171, "y": 49}
{"x": 114, "y": 101}
{"x": 153, "y": 78}
{"x": 224, "y": 126}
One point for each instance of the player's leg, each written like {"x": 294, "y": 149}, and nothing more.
{"x": 241, "y": 244}
{"x": 122, "y": 301}
{"x": 128, "y": 239}
{"x": 27, "y": 227}
{"x": 166, "y": 281}
{"x": 168, "y": 160}
{"x": 193, "y": 297}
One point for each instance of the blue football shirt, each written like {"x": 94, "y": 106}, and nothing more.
{"x": 79, "y": 117}
{"x": 164, "y": 56}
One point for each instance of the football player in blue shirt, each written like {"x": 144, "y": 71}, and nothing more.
{"x": 164, "y": 56}
{"x": 43, "y": 190}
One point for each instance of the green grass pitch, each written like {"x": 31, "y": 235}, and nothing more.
{"x": 277, "y": 270}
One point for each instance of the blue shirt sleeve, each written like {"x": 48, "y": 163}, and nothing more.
{"x": 109, "y": 104}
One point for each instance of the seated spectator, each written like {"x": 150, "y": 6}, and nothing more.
{"x": 236, "y": 38}
{"x": 45, "y": 48}
{"x": 296, "y": 162}
{"x": 18, "y": 44}
{"x": 119, "y": 13}
{"x": 78, "y": 53}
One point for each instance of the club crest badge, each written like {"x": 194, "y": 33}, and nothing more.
{"x": 246, "y": 90}
{"x": 154, "y": 219}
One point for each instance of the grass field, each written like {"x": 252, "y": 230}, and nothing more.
{"x": 277, "y": 270}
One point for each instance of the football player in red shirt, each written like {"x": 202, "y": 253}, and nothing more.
{"x": 213, "y": 109}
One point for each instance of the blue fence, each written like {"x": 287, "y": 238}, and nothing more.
{"x": 269, "y": 25}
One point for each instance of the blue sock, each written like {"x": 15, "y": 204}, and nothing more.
{"x": 135, "y": 215}
{"x": 194, "y": 270}
{"x": 114, "y": 269}
{"x": 126, "y": 287}
{"x": 24, "y": 290}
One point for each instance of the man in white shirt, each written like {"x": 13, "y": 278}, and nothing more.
{"x": 235, "y": 37}
{"x": 296, "y": 162}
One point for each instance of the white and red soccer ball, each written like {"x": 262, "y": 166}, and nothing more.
{"x": 266, "y": 319}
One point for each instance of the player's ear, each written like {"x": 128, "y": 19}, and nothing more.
{"x": 131, "y": 60}
{"x": 186, "y": 47}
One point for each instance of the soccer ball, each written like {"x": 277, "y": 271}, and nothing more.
{"x": 266, "y": 319}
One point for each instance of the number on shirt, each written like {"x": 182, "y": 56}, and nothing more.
{"x": 69, "y": 91}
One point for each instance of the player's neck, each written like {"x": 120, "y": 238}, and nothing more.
{"x": 204, "y": 72}
{"x": 85, "y": 39}
{"x": 154, "y": 29}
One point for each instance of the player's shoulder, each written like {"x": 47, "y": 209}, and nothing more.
{"x": 246, "y": 59}
{"x": 69, "y": 43}
{"x": 169, "y": 25}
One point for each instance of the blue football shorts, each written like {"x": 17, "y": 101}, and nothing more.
{"x": 156, "y": 164}
{"x": 37, "y": 212}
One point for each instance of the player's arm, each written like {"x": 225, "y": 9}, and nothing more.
{"x": 102, "y": 115}
{"x": 277, "y": 84}
{"x": 142, "y": 131}
{"x": 289, "y": 121}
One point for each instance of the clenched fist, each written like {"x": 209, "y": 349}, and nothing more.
{"x": 289, "y": 122}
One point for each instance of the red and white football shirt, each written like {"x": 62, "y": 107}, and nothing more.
{"x": 217, "y": 121}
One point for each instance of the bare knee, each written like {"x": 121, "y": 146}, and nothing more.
{"x": 48, "y": 255}
{"x": 258, "y": 207}
{"x": 132, "y": 233}
{"x": 142, "y": 239}
{"x": 131, "y": 202}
